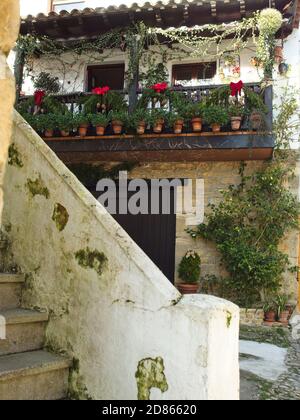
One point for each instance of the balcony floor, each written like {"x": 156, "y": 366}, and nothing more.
{"x": 225, "y": 146}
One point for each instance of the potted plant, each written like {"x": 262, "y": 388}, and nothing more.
{"x": 255, "y": 108}
{"x": 282, "y": 310}
{"x": 236, "y": 113}
{"x": 46, "y": 124}
{"x": 195, "y": 113}
{"x": 139, "y": 120}
{"x": 118, "y": 120}
{"x": 158, "y": 118}
{"x": 270, "y": 311}
{"x": 189, "y": 272}
{"x": 65, "y": 124}
{"x": 176, "y": 122}
{"x": 216, "y": 116}
{"x": 100, "y": 122}
{"x": 81, "y": 121}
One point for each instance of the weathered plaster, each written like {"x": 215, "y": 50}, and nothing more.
{"x": 111, "y": 322}
{"x": 9, "y": 29}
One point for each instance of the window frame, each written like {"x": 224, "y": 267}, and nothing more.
{"x": 103, "y": 66}
{"x": 195, "y": 69}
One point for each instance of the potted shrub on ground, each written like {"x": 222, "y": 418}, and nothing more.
{"x": 100, "y": 122}
{"x": 46, "y": 123}
{"x": 118, "y": 120}
{"x": 282, "y": 310}
{"x": 270, "y": 311}
{"x": 158, "y": 118}
{"x": 81, "y": 121}
{"x": 236, "y": 113}
{"x": 176, "y": 122}
{"x": 216, "y": 116}
{"x": 189, "y": 272}
{"x": 65, "y": 124}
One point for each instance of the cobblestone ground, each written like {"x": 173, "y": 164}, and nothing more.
{"x": 287, "y": 386}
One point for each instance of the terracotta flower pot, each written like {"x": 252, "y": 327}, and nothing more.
{"x": 64, "y": 133}
{"x": 82, "y": 130}
{"x": 158, "y": 126}
{"x": 284, "y": 317}
{"x": 236, "y": 123}
{"x": 141, "y": 127}
{"x": 117, "y": 127}
{"x": 278, "y": 55}
{"x": 270, "y": 316}
{"x": 188, "y": 289}
{"x": 178, "y": 126}
{"x": 49, "y": 133}
{"x": 100, "y": 130}
{"x": 216, "y": 128}
{"x": 197, "y": 124}
{"x": 256, "y": 120}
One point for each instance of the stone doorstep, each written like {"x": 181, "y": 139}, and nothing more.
{"x": 23, "y": 316}
{"x": 11, "y": 278}
{"x": 30, "y": 364}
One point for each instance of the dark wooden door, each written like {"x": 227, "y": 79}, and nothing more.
{"x": 154, "y": 233}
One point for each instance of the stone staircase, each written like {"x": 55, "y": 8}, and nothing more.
{"x": 26, "y": 371}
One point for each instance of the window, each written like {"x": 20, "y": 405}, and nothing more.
{"x": 109, "y": 75}
{"x": 59, "y": 5}
{"x": 193, "y": 74}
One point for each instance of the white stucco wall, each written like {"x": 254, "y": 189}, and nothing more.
{"x": 128, "y": 314}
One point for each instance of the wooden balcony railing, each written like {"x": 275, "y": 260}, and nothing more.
{"x": 195, "y": 93}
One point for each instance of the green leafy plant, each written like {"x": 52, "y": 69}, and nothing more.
{"x": 215, "y": 114}
{"x": 121, "y": 116}
{"x": 237, "y": 110}
{"x": 247, "y": 227}
{"x": 99, "y": 120}
{"x": 139, "y": 116}
{"x": 173, "y": 117}
{"x": 44, "y": 81}
{"x": 65, "y": 122}
{"x": 46, "y": 122}
{"x": 80, "y": 119}
{"x": 254, "y": 101}
{"x": 157, "y": 114}
{"x": 269, "y": 22}
{"x": 195, "y": 110}
{"x": 190, "y": 267}
{"x": 281, "y": 301}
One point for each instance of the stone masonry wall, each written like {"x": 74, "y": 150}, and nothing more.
{"x": 217, "y": 176}
{"x": 9, "y": 29}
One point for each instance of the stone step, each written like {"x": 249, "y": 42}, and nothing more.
{"x": 25, "y": 331}
{"x": 10, "y": 290}
{"x": 37, "y": 375}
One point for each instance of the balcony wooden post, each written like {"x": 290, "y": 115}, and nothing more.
{"x": 19, "y": 71}
{"x": 269, "y": 104}
{"x": 134, "y": 77}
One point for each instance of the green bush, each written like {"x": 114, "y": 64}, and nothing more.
{"x": 190, "y": 267}
{"x": 247, "y": 227}
{"x": 215, "y": 114}
{"x": 99, "y": 120}
{"x": 65, "y": 122}
{"x": 46, "y": 122}
{"x": 80, "y": 119}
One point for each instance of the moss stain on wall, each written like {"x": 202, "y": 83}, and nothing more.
{"x": 150, "y": 374}
{"x": 14, "y": 156}
{"x": 38, "y": 187}
{"x": 94, "y": 260}
{"x": 60, "y": 216}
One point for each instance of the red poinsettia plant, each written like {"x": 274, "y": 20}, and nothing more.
{"x": 101, "y": 90}
{"x": 160, "y": 87}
